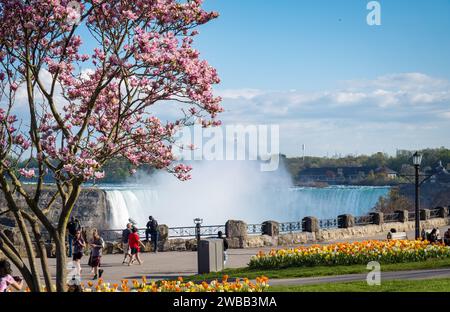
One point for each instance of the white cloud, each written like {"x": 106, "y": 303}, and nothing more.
{"x": 239, "y": 93}
{"x": 405, "y": 109}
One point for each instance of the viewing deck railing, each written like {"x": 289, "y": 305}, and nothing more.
{"x": 283, "y": 228}
{"x": 364, "y": 220}
{"x": 391, "y": 217}
{"x": 291, "y": 227}
{"x": 328, "y": 223}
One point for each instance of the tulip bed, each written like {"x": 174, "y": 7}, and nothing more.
{"x": 398, "y": 251}
{"x": 244, "y": 285}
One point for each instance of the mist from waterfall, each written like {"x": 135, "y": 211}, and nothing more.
{"x": 224, "y": 190}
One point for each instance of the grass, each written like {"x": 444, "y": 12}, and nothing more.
{"x": 429, "y": 285}
{"x": 298, "y": 272}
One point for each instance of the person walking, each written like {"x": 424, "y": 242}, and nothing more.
{"x": 225, "y": 246}
{"x": 73, "y": 226}
{"x": 135, "y": 243}
{"x": 125, "y": 246}
{"x": 78, "y": 248}
{"x": 6, "y": 279}
{"x": 153, "y": 230}
{"x": 97, "y": 244}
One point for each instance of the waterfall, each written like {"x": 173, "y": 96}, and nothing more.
{"x": 216, "y": 206}
{"x": 329, "y": 202}
{"x": 136, "y": 204}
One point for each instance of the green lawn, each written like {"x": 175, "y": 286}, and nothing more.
{"x": 321, "y": 270}
{"x": 429, "y": 285}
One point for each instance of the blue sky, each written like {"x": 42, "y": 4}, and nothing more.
{"x": 331, "y": 81}
{"x": 311, "y": 44}
{"x": 327, "y": 78}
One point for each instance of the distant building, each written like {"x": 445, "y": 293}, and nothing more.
{"x": 387, "y": 172}
{"x": 440, "y": 174}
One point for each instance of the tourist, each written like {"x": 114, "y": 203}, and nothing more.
{"x": 126, "y": 248}
{"x": 97, "y": 245}
{"x": 225, "y": 246}
{"x": 135, "y": 243}
{"x": 447, "y": 237}
{"x": 433, "y": 238}
{"x": 6, "y": 279}
{"x": 78, "y": 247}
{"x": 73, "y": 226}
{"x": 153, "y": 230}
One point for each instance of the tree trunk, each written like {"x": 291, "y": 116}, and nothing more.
{"x": 60, "y": 237}
{"x": 42, "y": 252}
{"x": 36, "y": 286}
{"x": 61, "y": 281}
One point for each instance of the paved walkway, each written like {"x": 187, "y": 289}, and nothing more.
{"x": 165, "y": 265}
{"x": 400, "y": 275}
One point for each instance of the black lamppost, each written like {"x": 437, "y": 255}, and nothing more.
{"x": 198, "y": 222}
{"x": 417, "y": 160}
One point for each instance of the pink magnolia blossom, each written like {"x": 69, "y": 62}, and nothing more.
{"x": 27, "y": 173}
{"x": 141, "y": 53}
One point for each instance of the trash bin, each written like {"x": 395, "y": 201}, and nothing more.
{"x": 210, "y": 256}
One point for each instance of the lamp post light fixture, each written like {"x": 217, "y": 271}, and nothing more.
{"x": 417, "y": 160}
{"x": 198, "y": 222}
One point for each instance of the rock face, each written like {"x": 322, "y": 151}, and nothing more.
{"x": 91, "y": 208}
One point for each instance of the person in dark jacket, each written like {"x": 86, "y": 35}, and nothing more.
{"x": 73, "y": 227}
{"x": 153, "y": 231}
{"x": 433, "y": 237}
{"x": 225, "y": 246}
{"x": 126, "y": 248}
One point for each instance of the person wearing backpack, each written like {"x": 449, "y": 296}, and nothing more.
{"x": 73, "y": 227}
{"x": 153, "y": 230}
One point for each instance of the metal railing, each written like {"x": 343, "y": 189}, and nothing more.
{"x": 174, "y": 232}
{"x": 392, "y": 217}
{"x": 290, "y": 227}
{"x": 328, "y": 223}
{"x": 435, "y": 213}
{"x": 210, "y": 230}
{"x": 254, "y": 228}
{"x": 364, "y": 220}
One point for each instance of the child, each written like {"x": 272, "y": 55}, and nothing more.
{"x": 134, "y": 242}
{"x": 6, "y": 280}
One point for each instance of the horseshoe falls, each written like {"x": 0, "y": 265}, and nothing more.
{"x": 283, "y": 205}
{"x": 227, "y": 190}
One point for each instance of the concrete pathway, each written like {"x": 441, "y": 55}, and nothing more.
{"x": 400, "y": 275}
{"x": 166, "y": 265}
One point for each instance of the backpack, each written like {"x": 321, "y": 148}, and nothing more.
{"x": 72, "y": 227}
{"x": 154, "y": 226}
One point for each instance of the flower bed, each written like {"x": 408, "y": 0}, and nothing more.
{"x": 244, "y": 285}
{"x": 350, "y": 253}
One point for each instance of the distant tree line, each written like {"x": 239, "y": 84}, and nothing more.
{"x": 402, "y": 162}
{"x": 118, "y": 170}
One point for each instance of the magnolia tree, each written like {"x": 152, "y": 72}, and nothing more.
{"x": 78, "y": 83}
